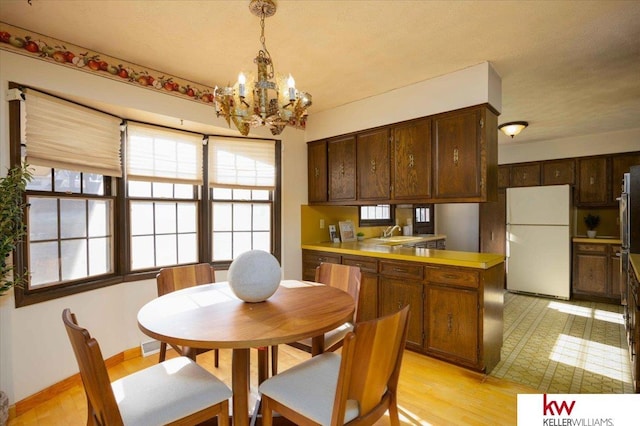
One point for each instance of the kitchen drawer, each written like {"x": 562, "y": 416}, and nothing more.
{"x": 364, "y": 263}
{"x": 591, "y": 248}
{"x": 320, "y": 257}
{"x": 407, "y": 270}
{"x": 458, "y": 277}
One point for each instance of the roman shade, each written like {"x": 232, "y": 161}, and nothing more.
{"x": 242, "y": 163}
{"x": 64, "y": 135}
{"x": 159, "y": 154}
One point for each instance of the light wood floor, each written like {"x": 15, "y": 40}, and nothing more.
{"x": 431, "y": 392}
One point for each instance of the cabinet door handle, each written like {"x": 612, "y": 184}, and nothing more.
{"x": 592, "y": 180}
{"x": 342, "y": 169}
{"x": 373, "y": 166}
{"x": 455, "y": 156}
{"x": 557, "y": 173}
{"x": 449, "y": 322}
{"x": 411, "y": 161}
{"x": 399, "y": 270}
{"x": 400, "y": 304}
{"x": 317, "y": 172}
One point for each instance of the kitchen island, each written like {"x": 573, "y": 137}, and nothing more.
{"x": 456, "y": 297}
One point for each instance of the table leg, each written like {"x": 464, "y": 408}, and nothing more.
{"x": 240, "y": 386}
{"x": 263, "y": 364}
{"x": 317, "y": 345}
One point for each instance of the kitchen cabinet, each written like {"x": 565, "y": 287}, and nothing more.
{"x": 341, "y": 164}
{"x": 593, "y": 275}
{"x": 452, "y": 323}
{"x": 493, "y": 228}
{"x": 450, "y": 157}
{"x": 401, "y": 285}
{"x": 525, "y": 175}
{"x": 368, "y": 300}
{"x": 504, "y": 177}
{"x": 592, "y": 181}
{"x": 312, "y": 259}
{"x": 465, "y": 155}
{"x": 373, "y": 165}
{"x": 615, "y": 268}
{"x": 412, "y": 160}
{"x": 456, "y": 311}
{"x": 620, "y": 164}
{"x": 559, "y": 172}
{"x": 317, "y": 171}
{"x": 460, "y": 306}
{"x": 634, "y": 326}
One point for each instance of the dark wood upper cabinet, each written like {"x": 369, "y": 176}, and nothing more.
{"x": 504, "y": 177}
{"x": 341, "y": 161}
{"x": 373, "y": 165}
{"x": 525, "y": 175}
{"x": 559, "y": 172}
{"x": 620, "y": 164}
{"x": 317, "y": 171}
{"x": 465, "y": 164}
{"x": 411, "y": 163}
{"x": 592, "y": 181}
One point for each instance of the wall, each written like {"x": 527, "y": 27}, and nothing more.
{"x": 34, "y": 349}
{"x": 579, "y": 146}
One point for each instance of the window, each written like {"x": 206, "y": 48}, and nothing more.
{"x": 241, "y": 221}
{"x": 70, "y": 236}
{"x": 180, "y": 198}
{"x": 164, "y": 171}
{"x": 379, "y": 215}
{"x": 163, "y": 221}
{"x": 242, "y": 176}
{"x": 424, "y": 219}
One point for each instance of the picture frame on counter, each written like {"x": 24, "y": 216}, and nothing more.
{"x": 347, "y": 231}
{"x": 333, "y": 234}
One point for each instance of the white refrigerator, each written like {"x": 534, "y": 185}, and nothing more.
{"x": 539, "y": 240}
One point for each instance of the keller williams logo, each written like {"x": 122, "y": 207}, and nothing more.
{"x": 552, "y": 408}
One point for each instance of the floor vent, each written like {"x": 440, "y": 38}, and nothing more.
{"x": 150, "y": 347}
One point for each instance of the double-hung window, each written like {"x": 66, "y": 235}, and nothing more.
{"x": 73, "y": 152}
{"x": 164, "y": 177}
{"x": 113, "y": 200}
{"x": 242, "y": 180}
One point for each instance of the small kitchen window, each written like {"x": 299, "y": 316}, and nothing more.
{"x": 424, "y": 219}
{"x": 378, "y": 215}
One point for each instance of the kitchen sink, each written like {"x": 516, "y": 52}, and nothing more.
{"x": 393, "y": 241}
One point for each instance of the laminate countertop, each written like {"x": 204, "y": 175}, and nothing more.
{"x": 411, "y": 254}
{"x": 597, "y": 240}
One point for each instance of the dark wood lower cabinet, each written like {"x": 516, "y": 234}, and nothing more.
{"x": 456, "y": 312}
{"x": 596, "y": 272}
{"x": 452, "y": 318}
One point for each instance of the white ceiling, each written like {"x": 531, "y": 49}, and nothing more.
{"x": 569, "y": 68}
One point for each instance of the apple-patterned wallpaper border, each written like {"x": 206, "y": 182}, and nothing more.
{"x": 29, "y": 43}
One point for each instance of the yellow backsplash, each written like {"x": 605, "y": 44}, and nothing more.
{"x": 609, "y": 221}
{"x": 331, "y": 215}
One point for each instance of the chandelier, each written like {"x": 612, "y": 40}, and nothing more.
{"x": 272, "y": 101}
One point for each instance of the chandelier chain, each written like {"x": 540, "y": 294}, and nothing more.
{"x": 264, "y": 43}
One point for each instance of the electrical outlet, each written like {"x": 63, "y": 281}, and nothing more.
{"x": 321, "y": 223}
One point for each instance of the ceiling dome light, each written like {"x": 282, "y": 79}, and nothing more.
{"x": 513, "y": 128}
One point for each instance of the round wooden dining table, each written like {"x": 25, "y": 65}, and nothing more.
{"x": 211, "y": 316}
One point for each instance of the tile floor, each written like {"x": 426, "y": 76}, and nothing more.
{"x": 560, "y": 346}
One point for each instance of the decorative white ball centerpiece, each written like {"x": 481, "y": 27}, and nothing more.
{"x": 254, "y": 276}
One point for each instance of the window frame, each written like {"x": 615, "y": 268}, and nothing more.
{"x": 378, "y": 222}
{"x": 122, "y": 272}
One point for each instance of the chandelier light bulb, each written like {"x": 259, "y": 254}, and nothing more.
{"x": 292, "y": 88}
{"x": 242, "y": 80}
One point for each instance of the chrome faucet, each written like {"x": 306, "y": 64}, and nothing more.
{"x": 389, "y": 231}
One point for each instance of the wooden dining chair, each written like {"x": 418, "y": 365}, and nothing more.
{"x": 344, "y": 277}
{"x": 177, "y": 278}
{"x": 355, "y": 387}
{"x": 175, "y": 392}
